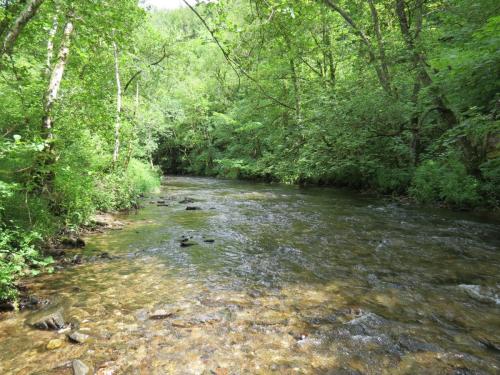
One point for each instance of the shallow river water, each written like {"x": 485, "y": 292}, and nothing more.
{"x": 296, "y": 281}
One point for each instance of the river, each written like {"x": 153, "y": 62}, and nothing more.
{"x": 278, "y": 280}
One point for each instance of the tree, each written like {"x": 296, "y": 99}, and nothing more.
{"x": 56, "y": 77}
{"x": 17, "y": 27}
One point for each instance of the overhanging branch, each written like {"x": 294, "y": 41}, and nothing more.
{"x": 234, "y": 64}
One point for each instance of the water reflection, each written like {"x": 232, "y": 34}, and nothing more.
{"x": 294, "y": 281}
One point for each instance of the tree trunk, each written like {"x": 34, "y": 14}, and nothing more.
{"x": 382, "y": 77}
{"x": 380, "y": 44}
{"x": 10, "y": 10}
{"x": 296, "y": 89}
{"x": 50, "y": 46}
{"x": 116, "y": 150}
{"x": 419, "y": 60}
{"x": 328, "y": 55}
{"x": 136, "y": 114}
{"x": 21, "y": 21}
{"x": 55, "y": 80}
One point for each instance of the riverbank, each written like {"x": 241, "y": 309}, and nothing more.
{"x": 33, "y": 220}
{"x": 64, "y": 250}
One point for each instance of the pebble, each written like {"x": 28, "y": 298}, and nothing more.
{"x": 55, "y": 344}
{"x": 79, "y": 368}
{"x": 161, "y": 314}
{"x": 78, "y": 337}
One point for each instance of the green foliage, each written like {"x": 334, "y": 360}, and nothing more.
{"x": 446, "y": 181}
{"x": 18, "y": 257}
{"x": 57, "y": 181}
{"x": 142, "y": 178}
{"x": 392, "y": 180}
{"x": 120, "y": 189}
{"x": 303, "y": 100}
{"x": 491, "y": 187}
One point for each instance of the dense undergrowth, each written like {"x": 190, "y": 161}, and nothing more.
{"x": 30, "y": 218}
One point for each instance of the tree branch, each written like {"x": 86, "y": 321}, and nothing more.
{"x": 237, "y": 68}
{"x": 24, "y": 17}
{"x": 136, "y": 74}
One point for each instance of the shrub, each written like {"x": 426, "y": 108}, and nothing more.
{"x": 142, "y": 178}
{"x": 120, "y": 189}
{"x": 392, "y": 180}
{"x": 18, "y": 257}
{"x": 491, "y": 187}
{"x": 446, "y": 181}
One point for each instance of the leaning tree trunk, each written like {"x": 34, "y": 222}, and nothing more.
{"x": 21, "y": 21}
{"x": 116, "y": 150}
{"x": 418, "y": 58}
{"x": 380, "y": 69}
{"x": 384, "y": 66}
{"x": 55, "y": 81}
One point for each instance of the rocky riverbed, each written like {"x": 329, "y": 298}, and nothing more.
{"x": 262, "y": 279}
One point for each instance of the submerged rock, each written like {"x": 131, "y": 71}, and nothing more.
{"x": 55, "y": 252}
{"x": 187, "y": 243}
{"x": 208, "y": 240}
{"x": 193, "y": 208}
{"x": 106, "y": 221}
{"x": 271, "y": 317}
{"x": 481, "y": 293}
{"x": 412, "y": 345}
{"x": 105, "y": 255}
{"x": 48, "y": 320}
{"x": 181, "y": 323}
{"x": 162, "y": 203}
{"x": 491, "y": 345}
{"x": 73, "y": 242}
{"x": 187, "y": 200}
{"x": 79, "y": 368}
{"x": 78, "y": 337}
{"x": 161, "y": 314}
{"x": 197, "y": 321}
{"x": 7, "y": 306}
{"x": 345, "y": 371}
{"x": 141, "y": 315}
{"x": 55, "y": 344}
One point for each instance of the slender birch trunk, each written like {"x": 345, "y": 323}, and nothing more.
{"x": 21, "y": 21}
{"x": 50, "y": 46}
{"x": 55, "y": 80}
{"x": 118, "y": 105}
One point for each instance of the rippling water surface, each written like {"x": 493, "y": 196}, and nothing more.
{"x": 296, "y": 281}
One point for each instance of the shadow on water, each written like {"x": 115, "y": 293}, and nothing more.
{"x": 278, "y": 280}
